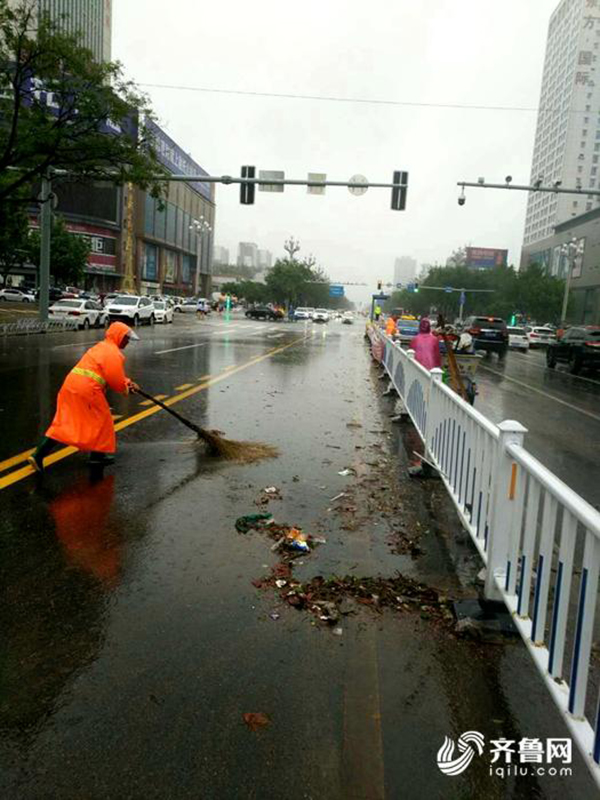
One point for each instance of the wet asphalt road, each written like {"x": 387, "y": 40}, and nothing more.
{"x": 134, "y": 640}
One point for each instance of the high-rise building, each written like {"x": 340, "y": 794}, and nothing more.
{"x": 247, "y": 254}
{"x": 265, "y": 259}
{"x": 567, "y": 139}
{"x": 405, "y": 270}
{"x": 220, "y": 255}
{"x": 90, "y": 18}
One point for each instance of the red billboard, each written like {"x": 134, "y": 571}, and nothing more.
{"x": 486, "y": 257}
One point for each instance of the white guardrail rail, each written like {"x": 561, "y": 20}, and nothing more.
{"x": 539, "y": 540}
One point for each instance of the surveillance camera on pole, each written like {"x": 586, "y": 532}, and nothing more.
{"x": 462, "y": 199}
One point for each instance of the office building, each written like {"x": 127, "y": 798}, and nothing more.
{"x": 220, "y": 255}
{"x": 265, "y": 259}
{"x": 90, "y": 18}
{"x": 169, "y": 255}
{"x": 567, "y": 139}
{"x": 247, "y": 254}
{"x": 405, "y": 270}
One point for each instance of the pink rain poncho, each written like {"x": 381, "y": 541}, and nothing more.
{"x": 426, "y": 346}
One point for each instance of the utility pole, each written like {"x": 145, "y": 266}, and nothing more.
{"x": 46, "y": 200}
{"x": 571, "y": 250}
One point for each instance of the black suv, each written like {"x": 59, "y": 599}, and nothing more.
{"x": 489, "y": 333}
{"x": 579, "y": 347}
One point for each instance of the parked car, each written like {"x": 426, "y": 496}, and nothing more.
{"x": 188, "y": 306}
{"x": 132, "y": 307}
{"x": 579, "y": 347}
{"x": 303, "y": 313}
{"x": 89, "y": 313}
{"x": 406, "y": 329}
{"x": 11, "y": 295}
{"x": 489, "y": 334}
{"x": 54, "y": 294}
{"x": 263, "y": 312}
{"x": 320, "y": 315}
{"x": 347, "y": 318}
{"x": 163, "y": 311}
{"x": 108, "y": 298}
{"x": 541, "y": 337}
{"x": 518, "y": 339}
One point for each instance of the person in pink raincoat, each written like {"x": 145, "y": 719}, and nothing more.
{"x": 426, "y": 346}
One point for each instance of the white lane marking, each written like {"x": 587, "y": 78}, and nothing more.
{"x": 76, "y": 344}
{"x": 275, "y": 335}
{"x": 173, "y": 349}
{"x": 544, "y": 394}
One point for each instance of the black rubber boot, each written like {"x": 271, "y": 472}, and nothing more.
{"x": 101, "y": 459}
{"x": 45, "y": 447}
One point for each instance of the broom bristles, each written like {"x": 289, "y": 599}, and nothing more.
{"x": 231, "y": 450}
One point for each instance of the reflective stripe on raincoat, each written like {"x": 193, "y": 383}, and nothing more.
{"x": 83, "y": 417}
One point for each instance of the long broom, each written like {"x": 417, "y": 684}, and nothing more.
{"x": 217, "y": 445}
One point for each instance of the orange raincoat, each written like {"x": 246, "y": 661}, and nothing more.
{"x": 83, "y": 418}
{"x": 390, "y": 326}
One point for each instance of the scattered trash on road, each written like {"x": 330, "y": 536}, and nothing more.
{"x": 347, "y": 471}
{"x": 337, "y": 497}
{"x": 271, "y": 490}
{"x": 257, "y": 720}
{"x": 253, "y": 521}
{"x": 274, "y": 615}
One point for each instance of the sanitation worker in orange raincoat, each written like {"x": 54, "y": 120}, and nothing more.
{"x": 83, "y": 419}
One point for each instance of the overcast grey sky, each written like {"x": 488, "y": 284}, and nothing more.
{"x": 473, "y": 52}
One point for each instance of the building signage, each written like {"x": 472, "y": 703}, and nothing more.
{"x": 175, "y": 159}
{"x": 101, "y": 241}
{"x": 486, "y": 257}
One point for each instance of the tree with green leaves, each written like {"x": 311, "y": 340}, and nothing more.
{"x": 60, "y": 109}
{"x": 14, "y": 238}
{"x": 528, "y": 291}
{"x": 69, "y": 253}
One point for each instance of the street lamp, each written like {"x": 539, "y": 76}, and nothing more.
{"x": 199, "y": 227}
{"x": 571, "y": 250}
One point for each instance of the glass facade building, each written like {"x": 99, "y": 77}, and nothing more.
{"x": 91, "y": 18}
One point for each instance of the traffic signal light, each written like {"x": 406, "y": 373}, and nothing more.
{"x": 399, "y": 191}
{"x": 416, "y": 286}
{"x": 247, "y": 190}
{"x": 379, "y": 284}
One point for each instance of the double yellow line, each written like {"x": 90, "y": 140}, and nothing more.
{"x": 24, "y": 472}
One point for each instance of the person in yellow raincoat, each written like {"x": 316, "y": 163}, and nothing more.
{"x": 83, "y": 419}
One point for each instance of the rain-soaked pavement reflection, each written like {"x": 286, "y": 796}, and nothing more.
{"x": 134, "y": 641}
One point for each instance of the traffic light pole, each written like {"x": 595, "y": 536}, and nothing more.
{"x": 228, "y": 179}
{"x": 46, "y": 199}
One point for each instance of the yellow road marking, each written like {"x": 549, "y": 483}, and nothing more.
{"x": 10, "y": 462}
{"x": 24, "y": 472}
{"x": 205, "y": 377}
{"x": 158, "y": 397}
{"x": 116, "y": 416}
{"x": 182, "y": 387}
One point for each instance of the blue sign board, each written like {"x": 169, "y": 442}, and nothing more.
{"x": 336, "y": 291}
{"x": 175, "y": 159}
{"x": 448, "y": 289}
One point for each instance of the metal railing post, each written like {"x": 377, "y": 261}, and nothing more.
{"x": 500, "y": 531}
{"x": 436, "y": 376}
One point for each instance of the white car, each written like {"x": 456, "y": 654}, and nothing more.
{"x": 87, "y": 313}
{"x": 16, "y": 296}
{"x": 517, "y": 339}
{"x": 348, "y": 318}
{"x": 303, "y": 313}
{"x": 163, "y": 311}
{"x": 133, "y": 308}
{"x": 189, "y": 306}
{"x": 540, "y": 337}
{"x": 320, "y": 315}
